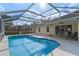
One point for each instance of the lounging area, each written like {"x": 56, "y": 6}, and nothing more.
{"x": 39, "y": 29}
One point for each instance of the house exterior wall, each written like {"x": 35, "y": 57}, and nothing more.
{"x": 43, "y": 29}
{"x": 52, "y": 28}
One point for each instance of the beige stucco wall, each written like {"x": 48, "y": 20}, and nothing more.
{"x": 43, "y": 29}
{"x": 52, "y": 27}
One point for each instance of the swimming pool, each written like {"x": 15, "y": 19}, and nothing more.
{"x": 27, "y": 45}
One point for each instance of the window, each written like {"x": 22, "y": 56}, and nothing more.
{"x": 47, "y": 28}
{"x": 57, "y": 28}
{"x": 39, "y": 29}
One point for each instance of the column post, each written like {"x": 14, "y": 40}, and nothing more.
{"x": 78, "y": 30}
{"x": 2, "y": 34}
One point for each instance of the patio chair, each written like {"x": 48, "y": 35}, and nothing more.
{"x": 74, "y": 36}
{"x": 68, "y": 36}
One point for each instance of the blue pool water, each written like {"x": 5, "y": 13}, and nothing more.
{"x": 30, "y": 46}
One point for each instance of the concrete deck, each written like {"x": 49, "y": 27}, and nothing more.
{"x": 4, "y": 49}
{"x": 67, "y": 47}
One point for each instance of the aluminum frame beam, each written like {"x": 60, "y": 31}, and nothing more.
{"x": 69, "y": 12}
{"x": 36, "y": 13}
{"x": 48, "y": 3}
{"x": 52, "y": 14}
{"x": 27, "y": 9}
{"x": 53, "y": 7}
{"x": 9, "y": 12}
{"x": 16, "y": 18}
{"x": 29, "y": 18}
{"x": 10, "y": 19}
{"x": 23, "y": 11}
{"x": 45, "y": 12}
{"x": 69, "y": 7}
{"x": 20, "y": 19}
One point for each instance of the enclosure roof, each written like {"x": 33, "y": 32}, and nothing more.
{"x": 36, "y": 12}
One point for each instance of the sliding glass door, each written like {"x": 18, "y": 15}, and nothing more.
{"x": 61, "y": 30}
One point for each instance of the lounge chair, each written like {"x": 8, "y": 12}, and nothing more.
{"x": 68, "y": 36}
{"x": 74, "y": 36}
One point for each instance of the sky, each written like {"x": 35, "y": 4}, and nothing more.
{"x": 38, "y": 8}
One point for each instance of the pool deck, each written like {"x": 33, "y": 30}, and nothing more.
{"x": 67, "y": 47}
{"x": 4, "y": 49}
